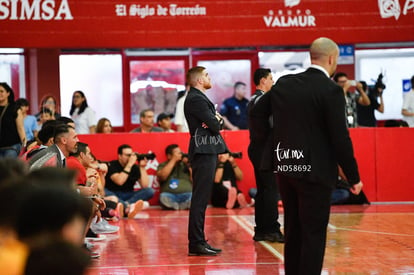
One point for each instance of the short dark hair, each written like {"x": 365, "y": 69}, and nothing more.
{"x": 338, "y": 75}
{"x": 169, "y": 149}
{"x": 80, "y": 149}
{"x": 122, "y": 147}
{"x": 193, "y": 74}
{"x": 48, "y": 130}
{"x": 45, "y": 111}
{"x": 57, "y": 256}
{"x": 65, "y": 119}
{"x": 22, "y": 102}
{"x": 60, "y": 130}
{"x": 259, "y": 74}
{"x": 144, "y": 112}
{"x": 57, "y": 206}
{"x": 239, "y": 83}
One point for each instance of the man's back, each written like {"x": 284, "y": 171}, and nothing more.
{"x": 310, "y": 128}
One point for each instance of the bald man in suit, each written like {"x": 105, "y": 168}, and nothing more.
{"x": 310, "y": 139}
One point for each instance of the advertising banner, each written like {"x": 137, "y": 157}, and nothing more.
{"x": 213, "y": 23}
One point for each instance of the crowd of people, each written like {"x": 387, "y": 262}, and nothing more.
{"x": 42, "y": 157}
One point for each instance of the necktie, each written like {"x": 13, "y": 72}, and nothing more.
{"x": 64, "y": 163}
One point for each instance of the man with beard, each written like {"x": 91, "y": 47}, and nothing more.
{"x": 65, "y": 142}
{"x": 205, "y": 143}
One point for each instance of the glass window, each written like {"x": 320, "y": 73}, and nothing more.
{"x": 283, "y": 63}
{"x": 99, "y": 76}
{"x": 12, "y": 70}
{"x": 397, "y": 66}
{"x": 224, "y": 74}
{"x": 154, "y": 85}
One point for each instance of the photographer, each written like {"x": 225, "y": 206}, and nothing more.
{"x": 352, "y": 99}
{"x": 175, "y": 180}
{"x": 123, "y": 175}
{"x": 225, "y": 191}
{"x": 366, "y": 116}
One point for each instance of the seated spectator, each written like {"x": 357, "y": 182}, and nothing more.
{"x": 30, "y": 122}
{"x": 57, "y": 257}
{"x": 67, "y": 121}
{"x": 225, "y": 191}
{"x": 45, "y": 138}
{"x": 64, "y": 142}
{"x": 88, "y": 186}
{"x": 13, "y": 252}
{"x": 122, "y": 177}
{"x": 342, "y": 195}
{"x": 146, "y": 118}
{"x": 44, "y": 115}
{"x": 175, "y": 180}
{"x": 104, "y": 126}
{"x": 52, "y": 177}
{"x": 50, "y": 103}
{"x": 164, "y": 121}
{"x": 64, "y": 215}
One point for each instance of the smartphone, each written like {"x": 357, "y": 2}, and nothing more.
{"x": 353, "y": 82}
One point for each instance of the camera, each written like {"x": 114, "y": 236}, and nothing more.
{"x": 353, "y": 82}
{"x": 149, "y": 156}
{"x": 236, "y": 155}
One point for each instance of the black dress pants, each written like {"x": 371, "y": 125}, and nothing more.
{"x": 306, "y": 216}
{"x": 203, "y": 171}
{"x": 266, "y": 213}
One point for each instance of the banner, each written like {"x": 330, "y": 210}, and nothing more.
{"x": 214, "y": 23}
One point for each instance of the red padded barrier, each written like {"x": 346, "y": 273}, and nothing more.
{"x": 394, "y": 161}
{"x": 384, "y": 156}
{"x": 363, "y": 140}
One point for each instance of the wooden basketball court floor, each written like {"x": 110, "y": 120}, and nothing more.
{"x": 374, "y": 239}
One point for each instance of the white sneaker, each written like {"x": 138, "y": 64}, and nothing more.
{"x": 103, "y": 227}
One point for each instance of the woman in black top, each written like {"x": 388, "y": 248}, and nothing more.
{"x": 12, "y": 134}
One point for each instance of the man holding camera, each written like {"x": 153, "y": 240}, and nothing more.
{"x": 225, "y": 191}
{"x": 123, "y": 175}
{"x": 175, "y": 179}
{"x": 351, "y": 98}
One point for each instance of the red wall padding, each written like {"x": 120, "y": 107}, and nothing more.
{"x": 384, "y": 156}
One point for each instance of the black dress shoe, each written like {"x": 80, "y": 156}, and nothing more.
{"x": 201, "y": 250}
{"x": 217, "y": 250}
{"x": 270, "y": 237}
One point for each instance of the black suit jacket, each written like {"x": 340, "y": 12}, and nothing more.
{"x": 198, "y": 109}
{"x": 260, "y": 131}
{"x": 46, "y": 157}
{"x": 310, "y": 132}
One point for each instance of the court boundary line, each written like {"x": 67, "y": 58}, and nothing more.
{"x": 333, "y": 227}
{"x": 250, "y": 231}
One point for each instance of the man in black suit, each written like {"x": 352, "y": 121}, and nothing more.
{"x": 310, "y": 139}
{"x": 266, "y": 213}
{"x": 205, "y": 143}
